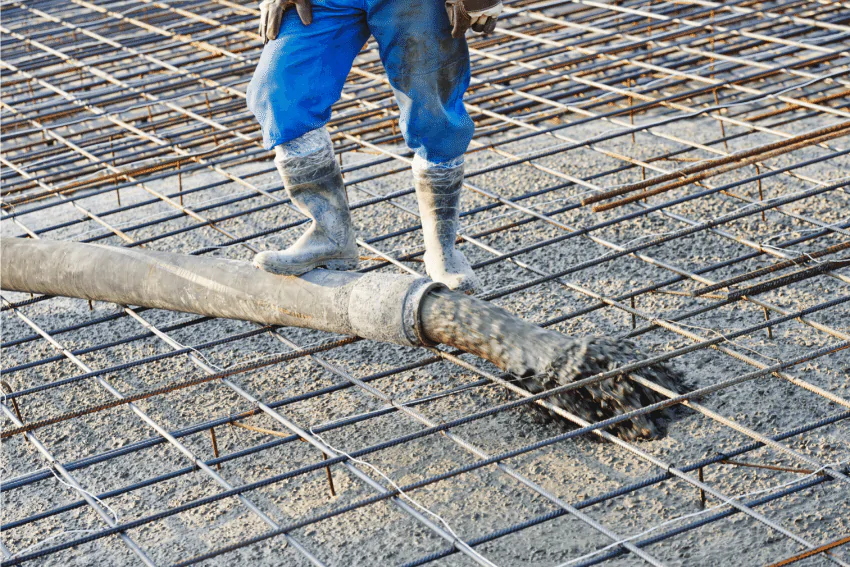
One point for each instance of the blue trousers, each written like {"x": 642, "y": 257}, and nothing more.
{"x": 301, "y": 74}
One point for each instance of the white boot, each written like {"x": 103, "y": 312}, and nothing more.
{"x": 438, "y": 192}
{"x": 313, "y": 180}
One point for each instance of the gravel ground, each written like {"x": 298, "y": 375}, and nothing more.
{"x": 476, "y": 503}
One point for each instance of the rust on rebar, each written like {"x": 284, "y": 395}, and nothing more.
{"x": 726, "y": 166}
{"x": 143, "y": 103}
{"x": 738, "y": 159}
{"x": 767, "y": 467}
{"x": 793, "y": 277}
{"x": 812, "y": 552}
{"x": 796, "y": 261}
{"x": 214, "y": 442}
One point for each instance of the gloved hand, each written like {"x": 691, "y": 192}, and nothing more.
{"x": 271, "y": 13}
{"x": 480, "y": 15}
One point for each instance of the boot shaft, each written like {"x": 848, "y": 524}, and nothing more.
{"x": 296, "y": 171}
{"x": 438, "y": 193}
{"x": 305, "y": 158}
{"x": 314, "y": 182}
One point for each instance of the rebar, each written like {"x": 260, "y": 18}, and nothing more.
{"x": 669, "y": 173}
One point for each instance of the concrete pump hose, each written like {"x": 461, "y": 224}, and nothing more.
{"x": 382, "y": 307}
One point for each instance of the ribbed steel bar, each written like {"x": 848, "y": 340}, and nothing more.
{"x": 645, "y": 258}
{"x": 325, "y": 449}
{"x": 595, "y": 428}
{"x": 220, "y": 480}
{"x": 93, "y": 502}
{"x": 124, "y": 123}
{"x": 185, "y": 451}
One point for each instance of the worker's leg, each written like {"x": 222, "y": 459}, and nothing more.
{"x": 429, "y": 71}
{"x": 301, "y": 73}
{"x": 438, "y": 192}
{"x": 299, "y": 77}
{"x": 313, "y": 180}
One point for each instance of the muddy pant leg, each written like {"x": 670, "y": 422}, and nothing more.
{"x": 301, "y": 73}
{"x": 299, "y": 77}
{"x": 429, "y": 71}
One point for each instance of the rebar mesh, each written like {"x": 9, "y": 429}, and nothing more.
{"x": 674, "y": 173}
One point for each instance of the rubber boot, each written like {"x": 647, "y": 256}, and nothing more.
{"x": 315, "y": 185}
{"x": 438, "y": 193}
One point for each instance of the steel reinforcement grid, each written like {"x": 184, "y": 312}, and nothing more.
{"x": 671, "y": 172}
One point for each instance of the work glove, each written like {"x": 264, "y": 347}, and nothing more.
{"x": 271, "y": 13}
{"x": 480, "y": 15}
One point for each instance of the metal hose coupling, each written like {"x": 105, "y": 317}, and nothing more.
{"x": 388, "y": 308}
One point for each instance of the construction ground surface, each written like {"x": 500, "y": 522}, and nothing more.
{"x": 672, "y": 172}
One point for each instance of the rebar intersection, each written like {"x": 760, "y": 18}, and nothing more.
{"x": 662, "y": 171}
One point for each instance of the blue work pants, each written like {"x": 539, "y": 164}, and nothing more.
{"x": 301, "y": 74}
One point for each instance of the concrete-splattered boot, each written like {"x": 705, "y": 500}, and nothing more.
{"x": 313, "y": 180}
{"x": 438, "y": 192}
